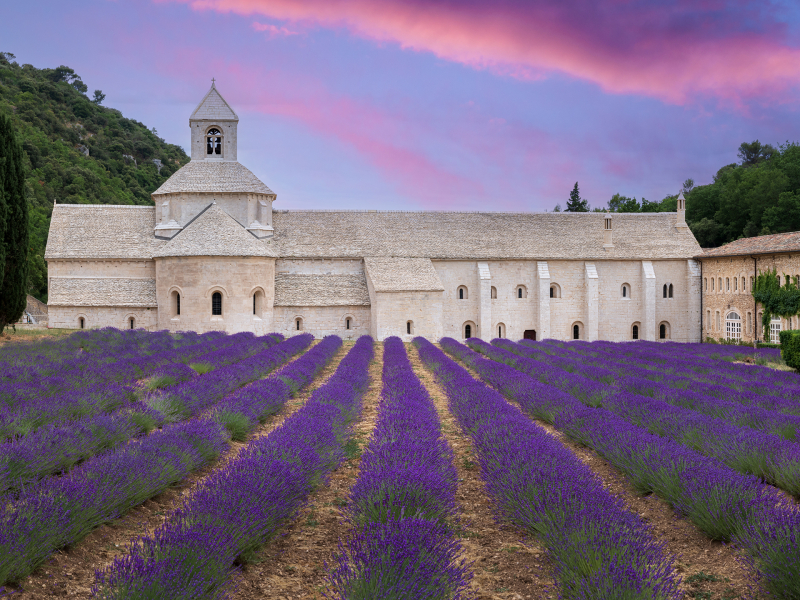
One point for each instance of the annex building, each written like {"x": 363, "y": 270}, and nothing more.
{"x": 730, "y": 311}
{"x": 218, "y": 252}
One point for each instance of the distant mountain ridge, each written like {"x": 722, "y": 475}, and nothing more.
{"x": 77, "y": 151}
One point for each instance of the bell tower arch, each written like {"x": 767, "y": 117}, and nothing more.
{"x": 213, "y": 124}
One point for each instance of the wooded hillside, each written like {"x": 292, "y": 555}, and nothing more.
{"x": 76, "y": 151}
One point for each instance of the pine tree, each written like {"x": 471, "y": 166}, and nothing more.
{"x": 13, "y": 227}
{"x": 575, "y": 202}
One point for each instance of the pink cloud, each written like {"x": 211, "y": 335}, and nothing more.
{"x": 672, "y": 51}
{"x": 272, "y": 30}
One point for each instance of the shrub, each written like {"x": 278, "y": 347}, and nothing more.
{"x": 790, "y": 348}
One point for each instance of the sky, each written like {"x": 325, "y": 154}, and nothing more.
{"x": 443, "y": 104}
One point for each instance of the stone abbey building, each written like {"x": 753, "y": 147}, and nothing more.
{"x": 215, "y": 254}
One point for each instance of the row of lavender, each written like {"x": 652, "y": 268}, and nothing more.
{"x": 600, "y": 549}
{"x": 778, "y": 414}
{"x": 57, "y": 447}
{"x": 741, "y": 437}
{"x": 109, "y": 393}
{"x": 243, "y": 505}
{"x": 744, "y": 382}
{"x": 402, "y": 506}
{"x": 58, "y": 511}
{"x": 723, "y": 503}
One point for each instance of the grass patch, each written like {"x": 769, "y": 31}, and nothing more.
{"x": 237, "y": 424}
{"x": 159, "y": 381}
{"x": 201, "y": 368}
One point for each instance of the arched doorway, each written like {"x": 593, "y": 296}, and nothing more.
{"x": 530, "y": 334}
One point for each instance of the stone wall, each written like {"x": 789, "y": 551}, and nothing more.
{"x": 323, "y": 320}
{"x": 734, "y": 297}
{"x": 197, "y": 278}
{"x": 319, "y": 266}
{"x": 95, "y": 317}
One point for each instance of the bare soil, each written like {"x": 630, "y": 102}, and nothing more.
{"x": 297, "y": 563}
{"x": 508, "y": 564}
{"x": 70, "y": 572}
{"x": 710, "y": 570}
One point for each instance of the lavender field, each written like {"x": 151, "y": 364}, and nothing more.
{"x": 140, "y": 465}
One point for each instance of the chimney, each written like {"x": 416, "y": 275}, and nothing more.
{"x": 681, "y": 222}
{"x": 607, "y": 240}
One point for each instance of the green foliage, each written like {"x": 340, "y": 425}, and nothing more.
{"x": 13, "y": 227}
{"x": 790, "y": 348}
{"x": 575, "y": 202}
{"x": 56, "y": 123}
{"x": 758, "y": 196}
{"x": 775, "y": 299}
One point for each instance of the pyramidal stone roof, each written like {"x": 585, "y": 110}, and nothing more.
{"x": 215, "y": 233}
{"x": 763, "y": 244}
{"x": 214, "y": 108}
{"x": 213, "y": 176}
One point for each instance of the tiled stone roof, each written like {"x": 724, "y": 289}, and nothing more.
{"x": 215, "y": 233}
{"x": 213, "y": 107}
{"x": 101, "y": 291}
{"x": 213, "y": 177}
{"x": 763, "y": 244}
{"x": 402, "y": 274}
{"x": 320, "y": 290}
{"x": 479, "y": 236}
{"x": 101, "y": 231}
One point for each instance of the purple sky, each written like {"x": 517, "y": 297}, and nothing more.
{"x": 443, "y": 104}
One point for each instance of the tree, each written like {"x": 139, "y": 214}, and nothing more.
{"x": 575, "y": 202}
{"x": 557, "y": 208}
{"x": 755, "y": 152}
{"x": 99, "y": 96}
{"x": 620, "y": 203}
{"x": 774, "y": 298}
{"x": 14, "y": 240}
{"x": 688, "y": 185}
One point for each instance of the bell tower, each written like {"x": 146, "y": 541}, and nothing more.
{"x": 213, "y": 124}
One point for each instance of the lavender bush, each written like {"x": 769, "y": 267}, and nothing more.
{"x": 601, "y": 550}
{"x": 241, "y": 506}
{"x": 403, "y": 503}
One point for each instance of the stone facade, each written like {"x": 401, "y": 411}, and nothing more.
{"x": 213, "y": 230}
{"x": 729, "y": 310}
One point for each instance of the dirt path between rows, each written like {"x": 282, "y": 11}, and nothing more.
{"x": 710, "y": 570}
{"x": 508, "y": 564}
{"x": 69, "y": 573}
{"x": 294, "y": 565}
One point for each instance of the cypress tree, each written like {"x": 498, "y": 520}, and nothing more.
{"x": 13, "y": 227}
{"x": 575, "y": 202}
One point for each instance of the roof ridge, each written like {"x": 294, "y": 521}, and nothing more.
{"x": 464, "y": 212}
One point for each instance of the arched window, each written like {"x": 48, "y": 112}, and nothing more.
{"x": 501, "y": 330}
{"x": 132, "y": 322}
{"x": 712, "y": 284}
{"x": 705, "y": 283}
{"x": 733, "y": 326}
{"x": 81, "y": 322}
{"x": 635, "y": 332}
{"x": 719, "y": 284}
{"x": 735, "y": 284}
{"x": 298, "y": 324}
{"x": 728, "y": 284}
{"x": 462, "y": 293}
{"x": 576, "y": 332}
{"x": 663, "y": 331}
{"x": 665, "y": 290}
{"x": 469, "y": 330}
{"x": 177, "y": 304}
{"x": 555, "y": 290}
{"x": 670, "y": 290}
{"x": 751, "y": 282}
{"x": 717, "y": 318}
{"x": 494, "y": 293}
{"x": 744, "y": 288}
{"x": 258, "y": 303}
{"x": 214, "y": 141}
{"x": 409, "y": 327}
{"x": 216, "y": 304}
{"x": 626, "y": 291}
{"x": 522, "y": 291}
{"x": 347, "y": 323}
